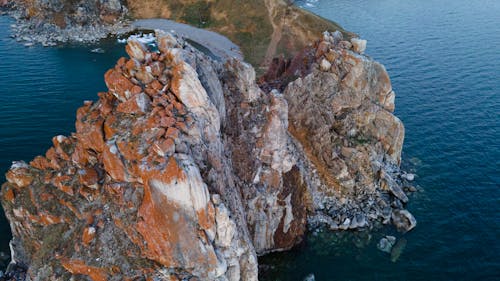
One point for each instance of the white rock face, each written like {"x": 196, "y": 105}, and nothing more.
{"x": 225, "y": 227}
{"x": 190, "y": 91}
{"x": 275, "y": 136}
{"x": 190, "y": 192}
{"x": 358, "y": 45}
{"x": 136, "y": 50}
{"x": 246, "y": 81}
{"x": 325, "y": 65}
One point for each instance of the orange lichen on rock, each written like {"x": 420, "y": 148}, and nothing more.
{"x": 9, "y": 195}
{"x": 18, "y": 177}
{"x": 90, "y": 134}
{"x": 186, "y": 170}
{"x": 88, "y": 235}
{"x": 167, "y": 227}
{"x": 113, "y": 164}
{"x": 62, "y": 182}
{"x": 44, "y": 218}
{"x": 88, "y": 177}
{"x": 80, "y": 267}
{"x": 117, "y": 176}
{"x": 118, "y": 84}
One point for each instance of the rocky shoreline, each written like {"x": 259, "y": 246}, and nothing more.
{"x": 31, "y": 33}
{"x": 30, "y": 30}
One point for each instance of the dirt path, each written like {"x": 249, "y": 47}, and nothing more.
{"x": 277, "y": 32}
{"x": 219, "y": 45}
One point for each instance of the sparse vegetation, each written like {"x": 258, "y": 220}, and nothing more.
{"x": 253, "y": 24}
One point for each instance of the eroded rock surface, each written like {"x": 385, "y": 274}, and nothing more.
{"x": 186, "y": 168}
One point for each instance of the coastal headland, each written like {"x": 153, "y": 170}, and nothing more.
{"x": 191, "y": 165}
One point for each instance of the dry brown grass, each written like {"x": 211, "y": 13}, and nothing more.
{"x": 262, "y": 28}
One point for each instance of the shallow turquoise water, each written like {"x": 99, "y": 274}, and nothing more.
{"x": 444, "y": 60}
{"x": 443, "y": 57}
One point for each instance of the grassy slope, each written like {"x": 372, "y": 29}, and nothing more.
{"x": 252, "y": 24}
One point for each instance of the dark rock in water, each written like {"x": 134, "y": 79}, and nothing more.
{"x": 385, "y": 244}
{"x": 410, "y": 188}
{"x": 396, "y": 204}
{"x": 98, "y": 51}
{"x": 359, "y": 221}
{"x": 408, "y": 176}
{"x": 398, "y": 249}
{"x": 403, "y": 220}
{"x": 310, "y": 277}
{"x": 394, "y": 187}
{"x": 186, "y": 168}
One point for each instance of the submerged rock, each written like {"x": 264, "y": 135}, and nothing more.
{"x": 398, "y": 249}
{"x": 310, "y": 277}
{"x": 385, "y": 244}
{"x": 186, "y": 168}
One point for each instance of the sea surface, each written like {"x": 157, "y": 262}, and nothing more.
{"x": 443, "y": 57}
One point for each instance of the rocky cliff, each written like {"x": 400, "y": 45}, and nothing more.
{"x": 188, "y": 169}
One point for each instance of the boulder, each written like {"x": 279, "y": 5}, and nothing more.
{"x": 325, "y": 65}
{"x": 403, "y": 220}
{"x": 398, "y": 249}
{"x": 385, "y": 244}
{"x": 408, "y": 176}
{"x": 358, "y": 45}
{"x": 136, "y": 50}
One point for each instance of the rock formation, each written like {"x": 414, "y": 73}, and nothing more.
{"x": 187, "y": 169}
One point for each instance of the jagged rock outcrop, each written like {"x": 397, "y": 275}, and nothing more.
{"x": 186, "y": 168}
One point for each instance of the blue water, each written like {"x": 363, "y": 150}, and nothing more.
{"x": 443, "y": 57}
{"x": 40, "y": 90}
{"x": 444, "y": 60}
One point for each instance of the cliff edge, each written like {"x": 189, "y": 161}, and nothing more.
{"x": 188, "y": 169}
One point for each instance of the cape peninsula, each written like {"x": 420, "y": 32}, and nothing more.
{"x": 189, "y": 167}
